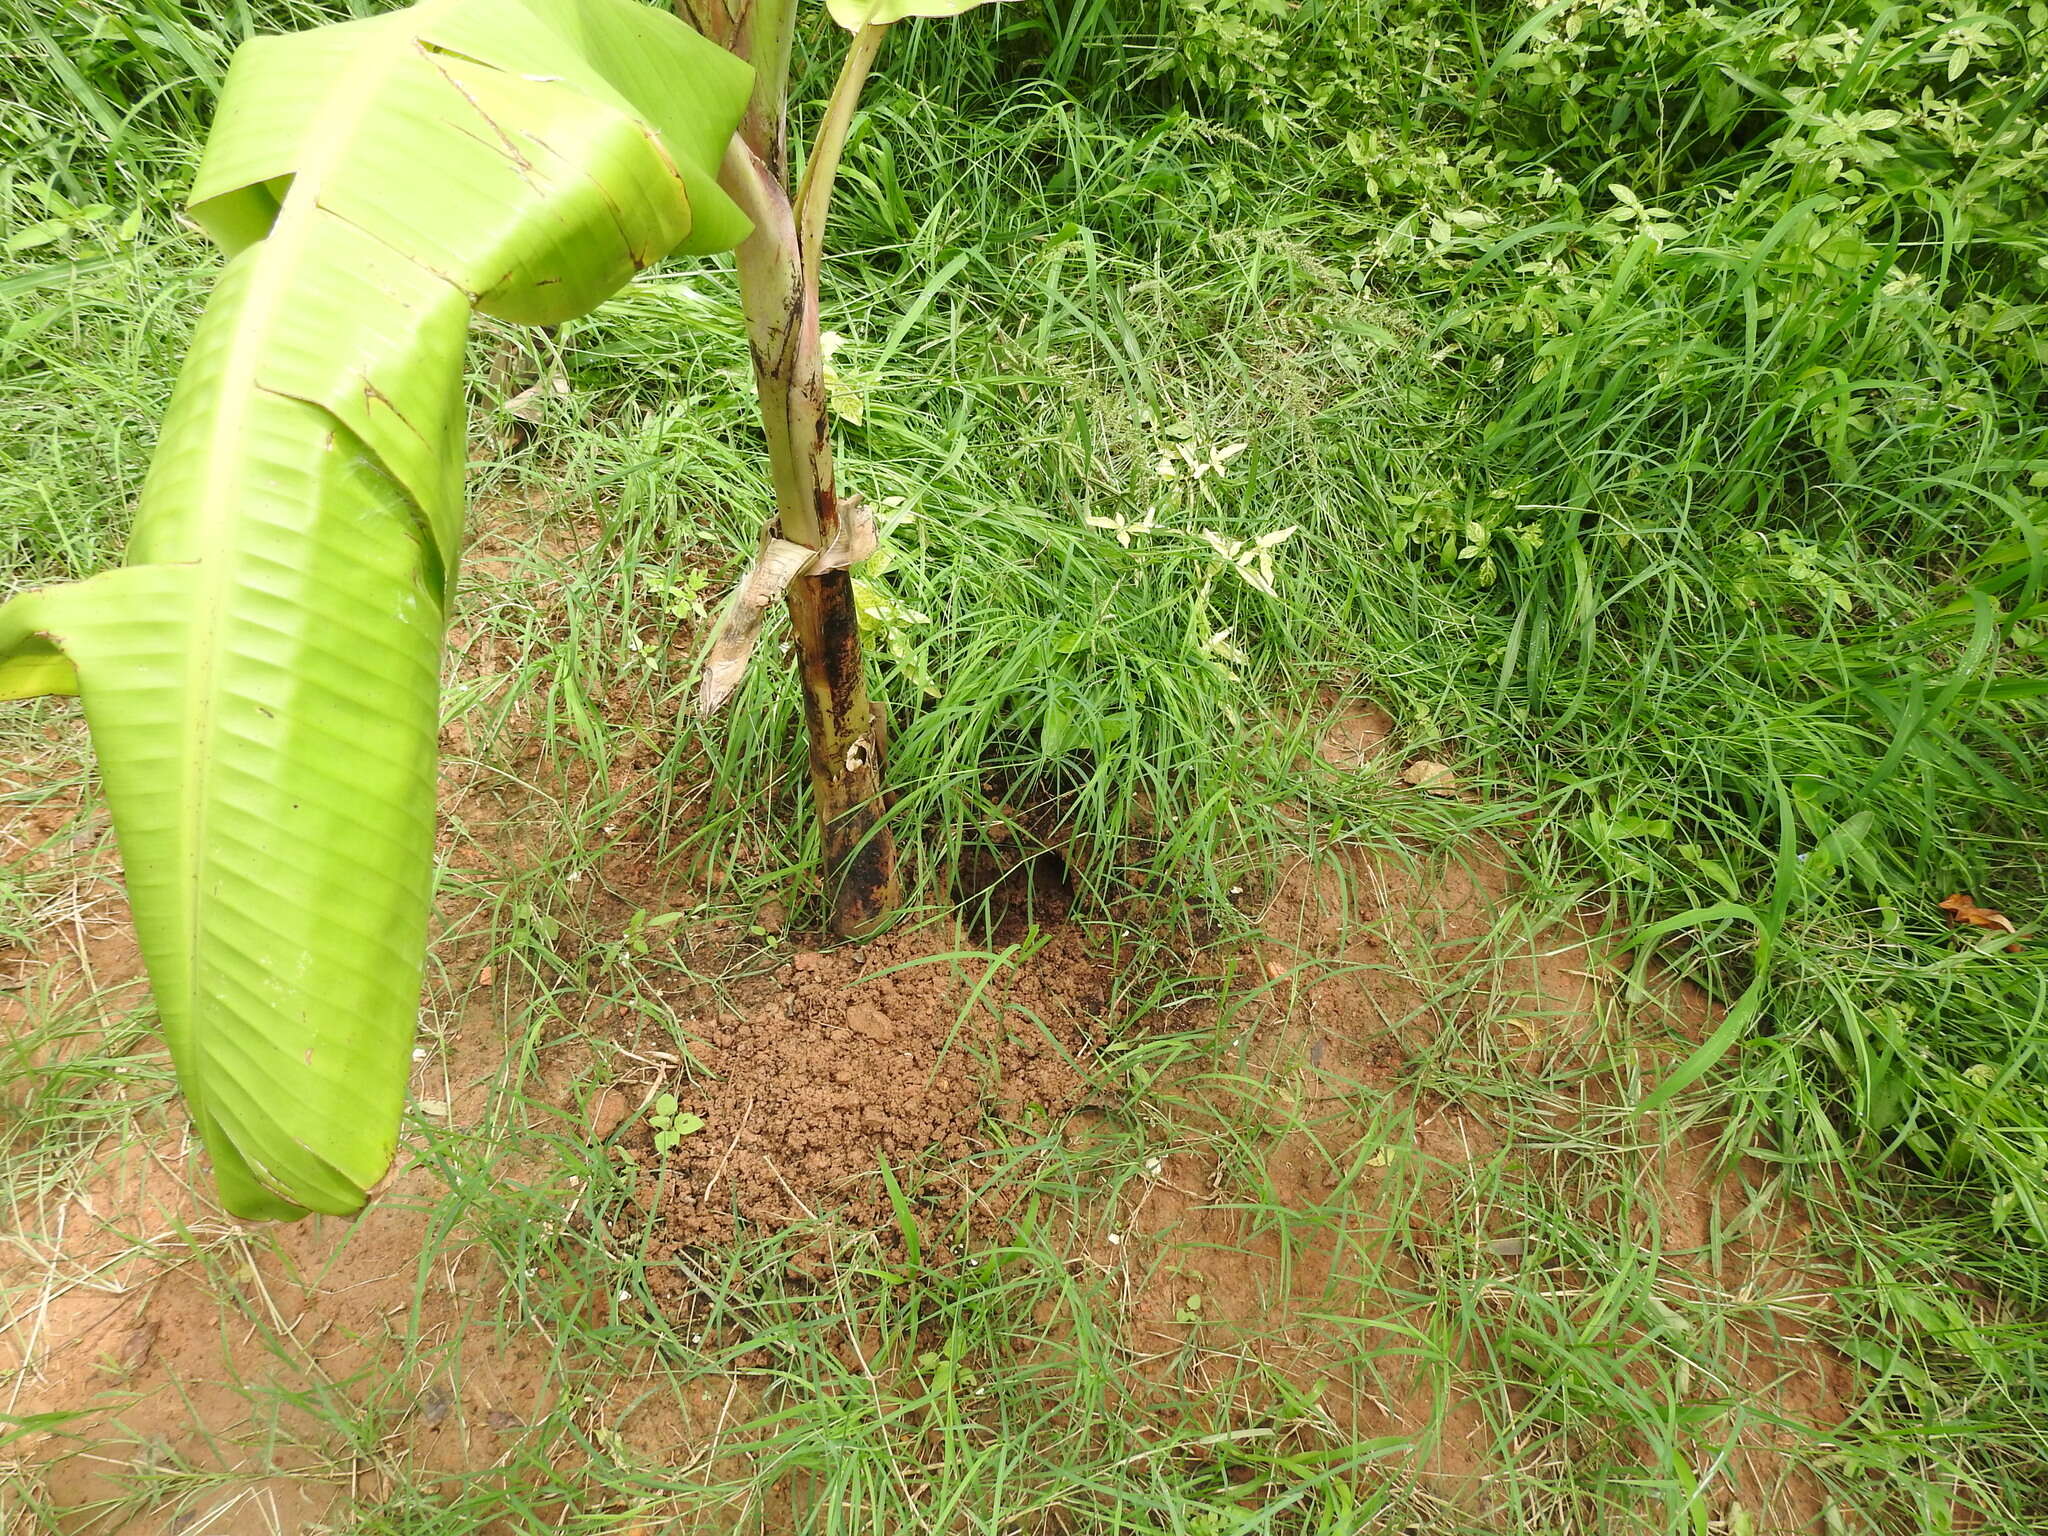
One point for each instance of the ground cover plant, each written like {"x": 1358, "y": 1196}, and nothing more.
{"x": 1638, "y": 406}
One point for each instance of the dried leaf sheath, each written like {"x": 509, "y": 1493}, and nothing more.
{"x": 261, "y": 677}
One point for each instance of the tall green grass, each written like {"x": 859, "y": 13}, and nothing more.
{"x": 1694, "y": 479}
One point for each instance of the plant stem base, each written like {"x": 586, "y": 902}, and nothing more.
{"x": 859, "y": 853}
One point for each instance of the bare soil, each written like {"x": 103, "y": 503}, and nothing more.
{"x": 893, "y": 1053}
{"x": 206, "y": 1369}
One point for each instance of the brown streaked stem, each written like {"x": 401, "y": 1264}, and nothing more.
{"x": 777, "y": 279}
{"x": 770, "y": 269}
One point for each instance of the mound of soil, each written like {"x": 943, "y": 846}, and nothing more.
{"x": 900, "y": 1052}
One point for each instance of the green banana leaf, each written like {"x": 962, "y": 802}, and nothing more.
{"x": 261, "y": 677}
{"x": 855, "y": 14}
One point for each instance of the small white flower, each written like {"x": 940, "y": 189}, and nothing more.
{"x": 1193, "y": 463}
{"x": 1219, "y": 457}
{"x": 1124, "y": 527}
{"x": 1251, "y": 558}
{"x": 1225, "y": 650}
{"x": 1116, "y": 1239}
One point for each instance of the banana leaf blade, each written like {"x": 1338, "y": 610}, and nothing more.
{"x": 261, "y": 677}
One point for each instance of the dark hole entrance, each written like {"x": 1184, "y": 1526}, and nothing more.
{"x": 1002, "y": 890}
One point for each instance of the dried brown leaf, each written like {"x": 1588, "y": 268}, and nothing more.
{"x": 1964, "y": 909}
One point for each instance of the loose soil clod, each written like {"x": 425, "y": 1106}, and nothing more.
{"x": 902, "y": 1051}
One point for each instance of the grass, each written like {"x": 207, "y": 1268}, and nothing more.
{"x": 1712, "y": 559}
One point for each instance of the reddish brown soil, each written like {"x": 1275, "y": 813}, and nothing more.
{"x": 899, "y": 1052}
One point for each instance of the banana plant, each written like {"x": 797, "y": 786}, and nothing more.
{"x": 260, "y": 677}
{"x": 818, "y": 536}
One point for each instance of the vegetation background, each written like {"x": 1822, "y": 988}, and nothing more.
{"x": 1640, "y": 401}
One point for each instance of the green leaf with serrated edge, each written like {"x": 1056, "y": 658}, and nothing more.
{"x": 855, "y": 14}
{"x": 261, "y": 676}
